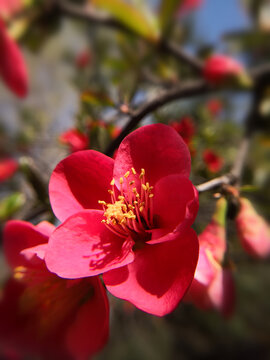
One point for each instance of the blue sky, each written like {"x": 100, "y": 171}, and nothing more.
{"x": 216, "y": 17}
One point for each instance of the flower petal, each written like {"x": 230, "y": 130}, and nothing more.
{"x": 17, "y": 236}
{"x": 175, "y": 201}
{"x": 45, "y": 228}
{"x": 156, "y": 148}
{"x": 79, "y": 181}
{"x": 222, "y": 292}
{"x": 12, "y": 66}
{"x": 83, "y": 246}
{"x": 90, "y": 329}
{"x": 159, "y": 276}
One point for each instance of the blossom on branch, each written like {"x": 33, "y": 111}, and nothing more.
{"x": 213, "y": 285}
{"x": 128, "y": 218}
{"x": 253, "y": 231}
{"x": 41, "y": 314}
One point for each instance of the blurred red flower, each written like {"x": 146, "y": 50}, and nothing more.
{"x": 189, "y": 5}
{"x": 142, "y": 239}
{"x": 12, "y": 66}
{"x": 41, "y": 314}
{"x": 8, "y": 167}
{"x": 75, "y": 139}
{"x": 83, "y": 59}
{"x": 253, "y": 231}
{"x": 9, "y": 7}
{"x": 213, "y": 162}
{"x": 213, "y": 286}
{"x": 220, "y": 68}
{"x": 214, "y": 106}
{"x": 186, "y": 128}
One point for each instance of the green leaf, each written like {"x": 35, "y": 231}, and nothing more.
{"x": 96, "y": 98}
{"x": 10, "y": 204}
{"x": 166, "y": 12}
{"x": 139, "y": 21}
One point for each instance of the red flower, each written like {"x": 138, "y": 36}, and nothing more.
{"x": 7, "y": 168}
{"x": 213, "y": 285}
{"x": 253, "y": 231}
{"x": 75, "y": 139}
{"x": 189, "y": 5}
{"x": 219, "y": 68}
{"x": 83, "y": 59}
{"x": 41, "y": 314}
{"x": 214, "y": 106}
{"x": 12, "y": 66}
{"x": 213, "y": 162}
{"x": 141, "y": 240}
{"x": 186, "y": 128}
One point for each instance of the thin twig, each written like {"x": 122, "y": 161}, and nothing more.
{"x": 190, "y": 88}
{"x": 227, "y": 179}
{"x": 88, "y": 13}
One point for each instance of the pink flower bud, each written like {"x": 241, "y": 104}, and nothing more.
{"x": 220, "y": 68}
{"x": 213, "y": 286}
{"x": 253, "y": 231}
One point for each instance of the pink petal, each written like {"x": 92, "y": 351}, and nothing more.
{"x": 12, "y": 66}
{"x": 45, "y": 228}
{"x": 222, "y": 292}
{"x": 39, "y": 251}
{"x": 159, "y": 276}
{"x": 79, "y": 181}
{"x": 175, "y": 202}
{"x": 83, "y": 246}
{"x": 205, "y": 272}
{"x": 156, "y": 148}
{"x": 90, "y": 329}
{"x": 17, "y": 236}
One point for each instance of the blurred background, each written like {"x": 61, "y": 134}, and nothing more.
{"x": 85, "y": 78}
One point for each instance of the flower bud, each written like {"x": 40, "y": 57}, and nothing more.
{"x": 220, "y": 69}
{"x": 253, "y": 231}
{"x": 213, "y": 286}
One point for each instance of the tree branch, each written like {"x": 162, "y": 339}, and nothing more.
{"x": 88, "y": 13}
{"x": 190, "y": 88}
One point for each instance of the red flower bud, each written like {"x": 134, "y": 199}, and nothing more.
{"x": 7, "y": 168}
{"x": 213, "y": 286}
{"x": 220, "y": 68}
{"x": 253, "y": 231}
{"x": 12, "y": 67}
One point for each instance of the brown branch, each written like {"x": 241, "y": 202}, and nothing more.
{"x": 190, "y": 88}
{"x": 88, "y": 13}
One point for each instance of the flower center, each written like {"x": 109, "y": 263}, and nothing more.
{"x": 130, "y": 212}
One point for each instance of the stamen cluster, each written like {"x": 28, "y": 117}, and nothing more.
{"x": 130, "y": 211}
